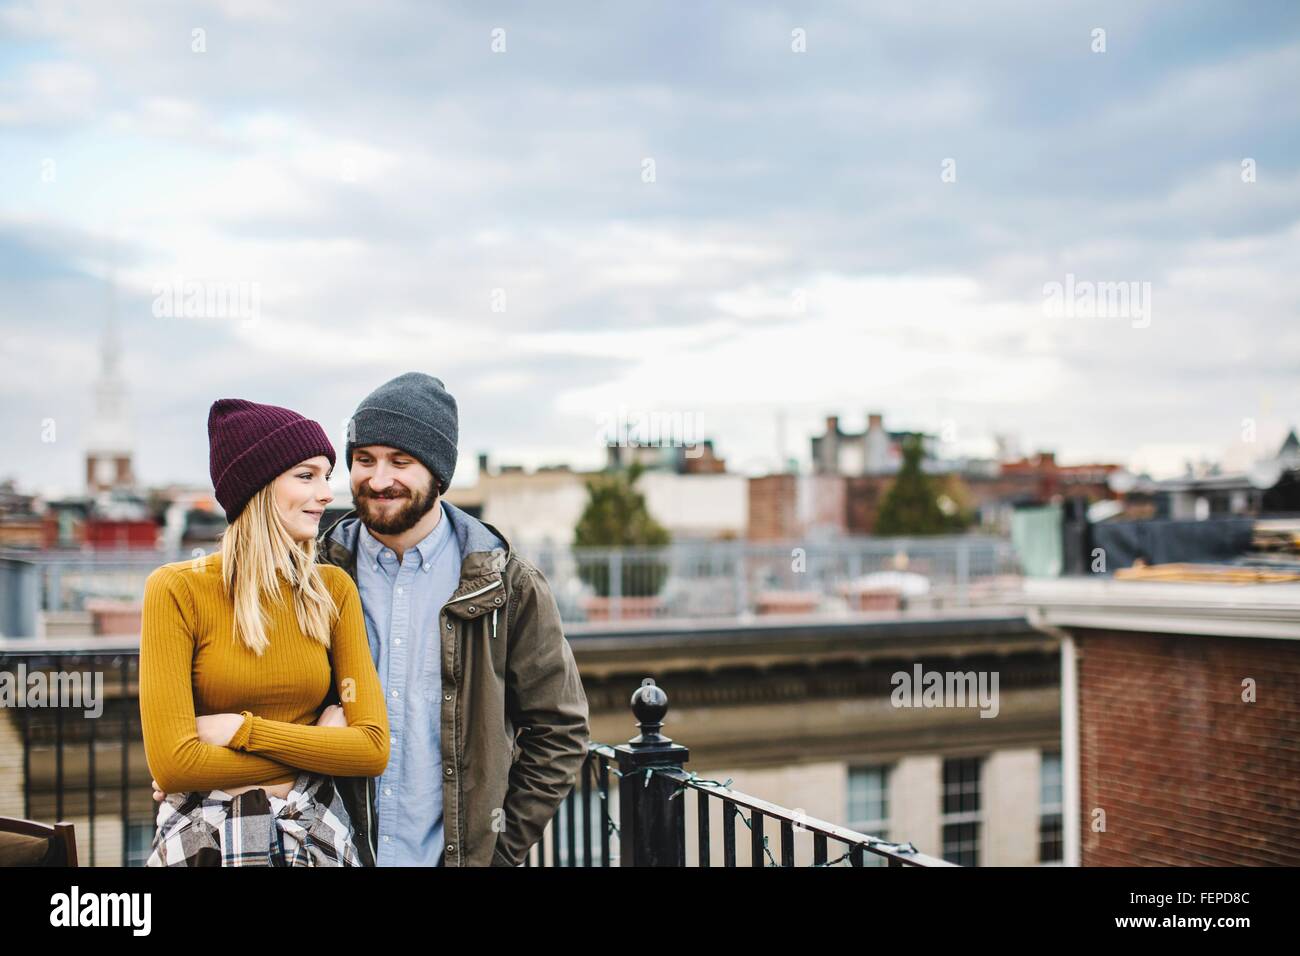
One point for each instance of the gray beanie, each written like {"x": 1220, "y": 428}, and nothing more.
{"x": 413, "y": 412}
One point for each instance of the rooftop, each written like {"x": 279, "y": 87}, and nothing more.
{"x": 1194, "y": 607}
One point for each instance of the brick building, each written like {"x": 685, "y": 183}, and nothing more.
{"x": 863, "y": 495}
{"x": 1180, "y": 716}
{"x": 789, "y": 507}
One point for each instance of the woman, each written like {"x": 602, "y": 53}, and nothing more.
{"x": 253, "y": 639}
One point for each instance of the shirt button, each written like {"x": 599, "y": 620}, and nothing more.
{"x": 449, "y": 771}
{"x": 394, "y": 693}
{"x": 392, "y": 740}
{"x": 388, "y": 791}
{"x": 471, "y": 609}
{"x": 399, "y": 590}
{"x": 446, "y": 696}
{"x": 451, "y": 848}
{"x": 496, "y": 601}
{"x": 397, "y": 640}
{"x": 428, "y": 566}
{"x": 385, "y": 837}
{"x": 449, "y": 625}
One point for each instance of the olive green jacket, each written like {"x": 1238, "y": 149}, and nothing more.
{"x": 511, "y": 696}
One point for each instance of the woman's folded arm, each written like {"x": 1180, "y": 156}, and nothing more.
{"x": 359, "y": 749}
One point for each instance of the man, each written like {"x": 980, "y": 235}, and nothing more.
{"x": 486, "y": 710}
{"x": 485, "y": 705}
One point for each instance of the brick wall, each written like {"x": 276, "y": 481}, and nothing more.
{"x": 864, "y": 494}
{"x": 1186, "y": 772}
{"x": 772, "y": 508}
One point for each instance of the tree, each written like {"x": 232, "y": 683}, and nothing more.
{"x": 956, "y": 503}
{"x": 911, "y": 505}
{"x": 616, "y": 517}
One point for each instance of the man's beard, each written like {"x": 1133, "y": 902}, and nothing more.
{"x": 402, "y": 519}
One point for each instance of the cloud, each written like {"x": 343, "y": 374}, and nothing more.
{"x": 48, "y": 93}
{"x": 400, "y": 196}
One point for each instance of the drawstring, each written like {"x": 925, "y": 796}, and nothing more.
{"x": 494, "y": 623}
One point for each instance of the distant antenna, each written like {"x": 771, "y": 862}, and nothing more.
{"x": 780, "y": 440}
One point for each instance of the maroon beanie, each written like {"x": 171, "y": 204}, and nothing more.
{"x": 249, "y": 445}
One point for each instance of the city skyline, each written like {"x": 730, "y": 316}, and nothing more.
{"x": 111, "y": 449}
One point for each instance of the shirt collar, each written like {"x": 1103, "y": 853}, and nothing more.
{"x": 369, "y": 544}
{"x": 433, "y": 542}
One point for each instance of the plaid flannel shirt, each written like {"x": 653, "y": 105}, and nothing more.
{"x": 310, "y": 827}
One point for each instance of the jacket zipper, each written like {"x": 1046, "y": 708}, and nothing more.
{"x": 464, "y": 597}
{"x": 482, "y": 590}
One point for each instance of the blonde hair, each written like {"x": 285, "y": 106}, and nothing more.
{"x": 257, "y": 551}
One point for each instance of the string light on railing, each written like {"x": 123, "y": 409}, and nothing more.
{"x": 612, "y": 827}
{"x": 693, "y": 778}
{"x": 751, "y": 830}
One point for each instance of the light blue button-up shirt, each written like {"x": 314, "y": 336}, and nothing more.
{"x": 402, "y": 604}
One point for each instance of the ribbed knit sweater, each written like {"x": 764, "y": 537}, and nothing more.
{"x": 191, "y": 664}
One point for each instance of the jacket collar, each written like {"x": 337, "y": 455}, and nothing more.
{"x": 484, "y": 551}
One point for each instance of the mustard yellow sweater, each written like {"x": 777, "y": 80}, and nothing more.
{"x": 190, "y": 664}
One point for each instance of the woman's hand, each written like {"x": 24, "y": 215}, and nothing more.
{"x": 331, "y": 716}
{"x": 218, "y": 728}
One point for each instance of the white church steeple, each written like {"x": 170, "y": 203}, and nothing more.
{"x": 108, "y": 449}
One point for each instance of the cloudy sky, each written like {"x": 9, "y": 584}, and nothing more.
{"x": 746, "y": 215}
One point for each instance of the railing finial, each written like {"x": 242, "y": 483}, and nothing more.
{"x": 649, "y": 704}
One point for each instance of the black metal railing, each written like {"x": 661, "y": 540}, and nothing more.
{"x": 651, "y": 828}
{"x": 77, "y": 767}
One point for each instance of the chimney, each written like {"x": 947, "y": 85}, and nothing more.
{"x": 829, "y": 458}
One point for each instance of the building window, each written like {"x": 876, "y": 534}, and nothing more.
{"x": 961, "y": 810}
{"x": 1051, "y": 842}
{"x": 868, "y": 810}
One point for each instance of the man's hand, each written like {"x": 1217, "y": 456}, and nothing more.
{"x": 331, "y": 716}
{"x": 218, "y": 728}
